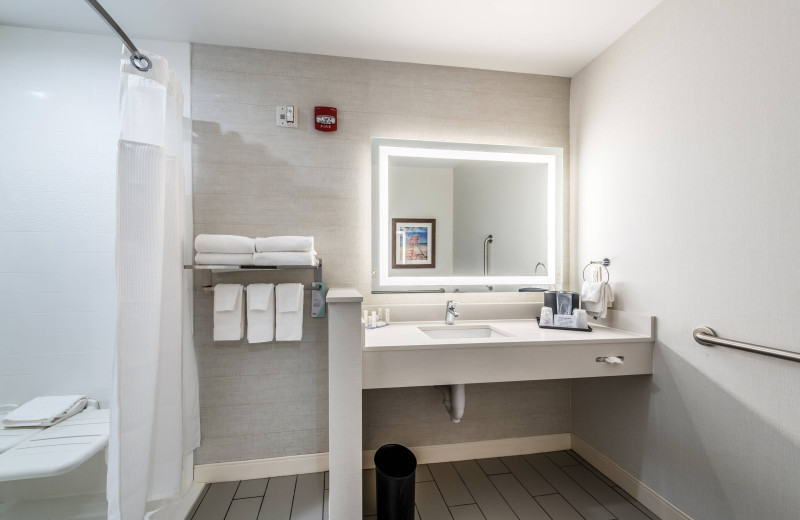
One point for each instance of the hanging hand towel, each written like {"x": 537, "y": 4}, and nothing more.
{"x": 289, "y": 315}
{"x": 260, "y": 312}
{"x": 591, "y": 291}
{"x": 279, "y": 244}
{"x": 286, "y": 258}
{"x": 223, "y": 258}
{"x": 228, "y": 312}
{"x": 42, "y": 412}
{"x": 596, "y": 298}
{"x": 224, "y": 244}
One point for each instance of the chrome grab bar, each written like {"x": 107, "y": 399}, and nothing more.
{"x": 707, "y": 337}
{"x": 486, "y": 243}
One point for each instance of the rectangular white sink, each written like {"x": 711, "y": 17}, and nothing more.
{"x": 455, "y": 332}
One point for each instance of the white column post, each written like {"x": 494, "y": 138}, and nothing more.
{"x": 345, "y": 339}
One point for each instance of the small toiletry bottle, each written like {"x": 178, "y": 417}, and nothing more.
{"x": 380, "y": 314}
{"x": 386, "y": 318}
{"x": 374, "y": 319}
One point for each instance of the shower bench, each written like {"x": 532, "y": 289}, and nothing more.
{"x": 36, "y": 453}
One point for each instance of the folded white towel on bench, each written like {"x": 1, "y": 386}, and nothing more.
{"x": 42, "y": 412}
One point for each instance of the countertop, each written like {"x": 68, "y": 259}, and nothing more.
{"x": 408, "y": 336}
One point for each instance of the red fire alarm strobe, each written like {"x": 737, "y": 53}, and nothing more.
{"x": 325, "y": 119}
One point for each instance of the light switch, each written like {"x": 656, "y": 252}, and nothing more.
{"x": 285, "y": 116}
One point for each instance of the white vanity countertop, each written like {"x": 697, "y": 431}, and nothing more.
{"x": 408, "y": 336}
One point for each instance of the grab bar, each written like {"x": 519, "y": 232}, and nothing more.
{"x": 489, "y": 240}
{"x": 707, "y": 337}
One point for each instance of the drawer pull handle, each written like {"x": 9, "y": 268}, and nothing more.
{"x": 611, "y": 360}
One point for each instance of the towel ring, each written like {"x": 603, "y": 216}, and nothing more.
{"x": 605, "y": 262}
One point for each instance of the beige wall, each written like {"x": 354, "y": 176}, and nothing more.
{"x": 254, "y": 178}
{"x": 685, "y": 140}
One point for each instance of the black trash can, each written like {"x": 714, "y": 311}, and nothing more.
{"x": 395, "y": 467}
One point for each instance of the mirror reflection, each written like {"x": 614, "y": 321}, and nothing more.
{"x": 468, "y": 202}
{"x": 454, "y": 214}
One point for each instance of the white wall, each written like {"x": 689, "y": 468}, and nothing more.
{"x": 58, "y": 133}
{"x": 685, "y": 140}
{"x": 418, "y": 192}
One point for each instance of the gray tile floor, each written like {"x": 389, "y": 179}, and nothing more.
{"x": 546, "y": 486}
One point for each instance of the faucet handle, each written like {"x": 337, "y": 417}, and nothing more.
{"x": 451, "y": 304}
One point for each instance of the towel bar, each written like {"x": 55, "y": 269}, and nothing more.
{"x": 210, "y": 288}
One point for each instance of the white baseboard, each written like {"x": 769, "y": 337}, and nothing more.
{"x": 314, "y": 463}
{"x": 261, "y": 468}
{"x": 188, "y": 501}
{"x": 483, "y": 449}
{"x": 659, "y": 505}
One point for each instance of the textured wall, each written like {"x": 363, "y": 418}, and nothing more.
{"x": 254, "y": 178}
{"x": 685, "y": 143}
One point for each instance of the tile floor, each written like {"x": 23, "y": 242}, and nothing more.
{"x": 546, "y": 486}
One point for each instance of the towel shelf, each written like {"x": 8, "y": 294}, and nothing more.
{"x": 317, "y": 288}
{"x": 215, "y": 268}
{"x": 198, "y": 267}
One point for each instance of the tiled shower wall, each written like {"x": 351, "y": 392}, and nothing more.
{"x": 254, "y": 178}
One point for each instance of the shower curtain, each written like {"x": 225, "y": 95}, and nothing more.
{"x": 154, "y": 419}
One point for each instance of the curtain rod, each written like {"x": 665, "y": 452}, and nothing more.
{"x": 138, "y": 60}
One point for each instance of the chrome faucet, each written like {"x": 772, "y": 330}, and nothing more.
{"x": 452, "y": 313}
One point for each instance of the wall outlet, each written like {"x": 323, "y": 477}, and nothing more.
{"x": 286, "y": 116}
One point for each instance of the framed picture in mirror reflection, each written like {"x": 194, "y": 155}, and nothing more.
{"x": 414, "y": 244}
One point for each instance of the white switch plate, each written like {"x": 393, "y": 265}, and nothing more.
{"x": 286, "y": 116}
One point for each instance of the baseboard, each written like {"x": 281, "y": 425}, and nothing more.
{"x": 188, "y": 501}
{"x": 261, "y": 468}
{"x": 314, "y": 463}
{"x": 659, "y": 505}
{"x": 483, "y": 449}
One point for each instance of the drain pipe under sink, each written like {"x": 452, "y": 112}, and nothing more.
{"x": 454, "y": 399}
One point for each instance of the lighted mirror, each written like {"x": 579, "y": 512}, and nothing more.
{"x": 455, "y": 216}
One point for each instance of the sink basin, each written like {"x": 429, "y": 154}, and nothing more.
{"x": 450, "y": 332}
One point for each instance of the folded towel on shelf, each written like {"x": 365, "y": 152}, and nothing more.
{"x": 285, "y": 258}
{"x": 228, "y": 312}
{"x": 596, "y": 298}
{"x": 224, "y": 244}
{"x": 223, "y": 258}
{"x": 260, "y": 312}
{"x": 289, "y": 315}
{"x": 42, "y": 412}
{"x": 280, "y": 244}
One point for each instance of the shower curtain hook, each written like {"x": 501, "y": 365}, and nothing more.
{"x": 136, "y": 60}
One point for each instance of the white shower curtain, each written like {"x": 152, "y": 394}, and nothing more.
{"x": 154, "y": 420}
